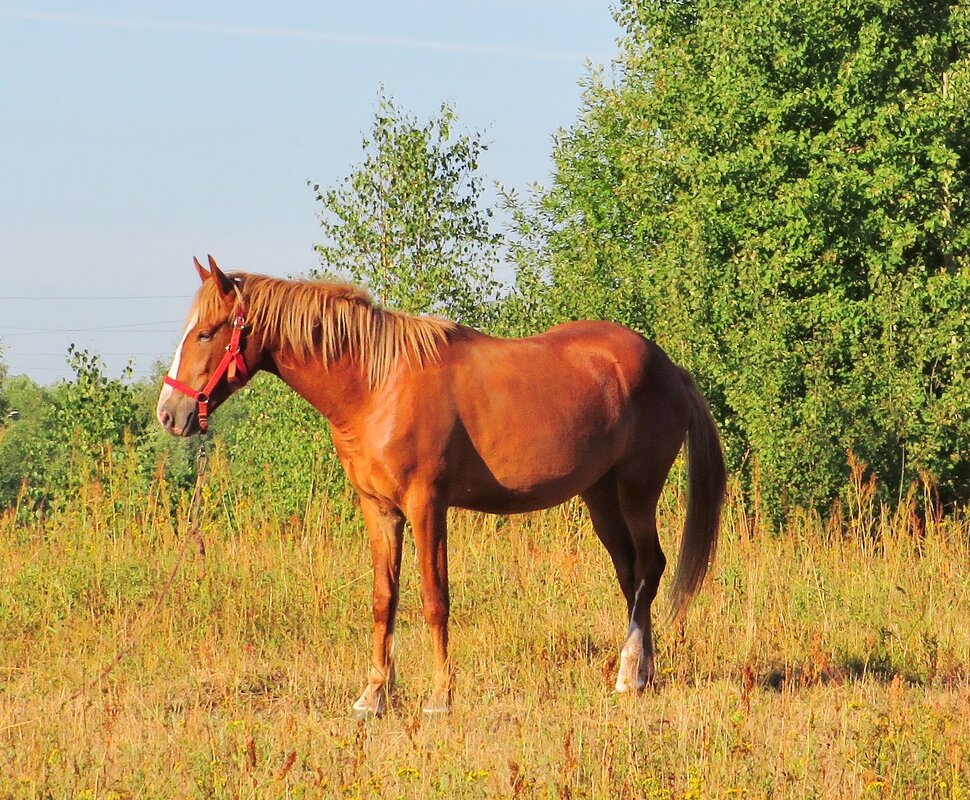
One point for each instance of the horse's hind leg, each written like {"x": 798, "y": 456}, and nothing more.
{"x": 604, "y": 510}
{"x": 624, "y": 518}
{"x": 638, "y": 504}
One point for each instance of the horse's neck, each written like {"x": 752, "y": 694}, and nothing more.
{"x": 339, "y": 390}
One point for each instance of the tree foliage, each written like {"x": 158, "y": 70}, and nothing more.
{"x": 94, "y": 410}
{"x": 776, "y": 190}
{"x": 64, "y": 430}
{"x": 4, "y": 401}
{"x": 280, "y": 448}
{"x": 408, "y": 222}
{"x": 18, "y": 437}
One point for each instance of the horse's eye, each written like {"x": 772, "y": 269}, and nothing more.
{"x": 205, "y": 336}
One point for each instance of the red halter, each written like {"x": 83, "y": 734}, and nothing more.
{"x": 232, "y": 365}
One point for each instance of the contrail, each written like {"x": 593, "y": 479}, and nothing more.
{"x": 261, "y": 32}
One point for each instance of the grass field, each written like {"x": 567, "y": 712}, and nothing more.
{"x": 829, "y": 661}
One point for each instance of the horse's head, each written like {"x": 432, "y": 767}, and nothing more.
{"x": 211, "y": 360}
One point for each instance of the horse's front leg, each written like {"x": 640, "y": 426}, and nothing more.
{"x": 385, "y": 527}
{"x": 429, "y": 524}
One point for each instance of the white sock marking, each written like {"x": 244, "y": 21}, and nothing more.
{"x": 632, "y": 672}
{"x": 636, "y": 599}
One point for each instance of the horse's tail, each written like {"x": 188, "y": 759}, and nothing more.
{"x": 707, "y": 479}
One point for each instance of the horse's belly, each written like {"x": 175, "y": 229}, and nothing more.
{"x": 529, "y": 476}
{"x": 512, "y": 502}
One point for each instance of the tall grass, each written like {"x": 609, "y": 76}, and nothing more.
{"x": 831, "y": 660}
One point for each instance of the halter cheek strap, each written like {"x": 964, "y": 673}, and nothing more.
{"x": 232, "y": 366}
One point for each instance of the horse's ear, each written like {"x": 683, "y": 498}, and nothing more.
{"x": 224, "y": 283}
{"x": 204, "y": 274}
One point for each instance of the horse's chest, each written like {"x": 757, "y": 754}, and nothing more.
{"x": 382, "y": 467}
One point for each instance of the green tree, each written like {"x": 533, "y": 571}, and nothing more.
{"x": 75, "y": 427}
{"x": 93, "y": 409}
{"x": 280, "y": 448}
{"x": 4, "y": 401}
{"x": 19, "y": 437}
{"x": 776, "y": 190}
{"x": 408, "y": 222}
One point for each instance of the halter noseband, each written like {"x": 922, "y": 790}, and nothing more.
{"x": 232, "y": 365}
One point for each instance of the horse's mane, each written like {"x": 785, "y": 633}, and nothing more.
{"x": 328, "y": 319}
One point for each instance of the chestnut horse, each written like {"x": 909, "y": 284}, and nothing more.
{"x": 428, "y": 414}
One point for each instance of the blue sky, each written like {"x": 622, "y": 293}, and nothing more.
{"x": 136, "y": 135}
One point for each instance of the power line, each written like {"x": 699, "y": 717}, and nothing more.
{"x": 96, "y": 328}
{"x": 78, "y": 330}
{"x": 100, "y": 327}
{"x": 107, "y": 355}
{"x": 67, "y": 370}
{"x": 115, "y": 297}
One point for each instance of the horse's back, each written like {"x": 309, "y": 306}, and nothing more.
{"x": 604, "y": 357}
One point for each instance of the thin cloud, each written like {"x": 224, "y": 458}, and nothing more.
{"x": 262, "y": 32}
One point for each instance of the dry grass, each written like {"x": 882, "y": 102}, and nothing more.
{"x": 826, "y": 662}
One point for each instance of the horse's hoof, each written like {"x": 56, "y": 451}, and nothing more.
{"x": 636, "y": 666}
{"x": 371, "y": 707}
{"x": 438, "y": 706}
{"x": 625, "y": 686}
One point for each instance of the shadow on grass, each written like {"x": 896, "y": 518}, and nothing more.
{"x": 856, "y": 668}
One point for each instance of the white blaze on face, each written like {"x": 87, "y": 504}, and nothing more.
{"x": 173, "y": 371}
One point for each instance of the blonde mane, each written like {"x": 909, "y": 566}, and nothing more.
{"x": 326, "y": 320}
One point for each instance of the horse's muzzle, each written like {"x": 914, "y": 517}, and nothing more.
{"x": 177, "y": 417}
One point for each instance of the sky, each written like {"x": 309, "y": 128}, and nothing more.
{"x": 135, "y": 135}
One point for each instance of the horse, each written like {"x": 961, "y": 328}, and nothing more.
{"x": 428, "y": 414}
